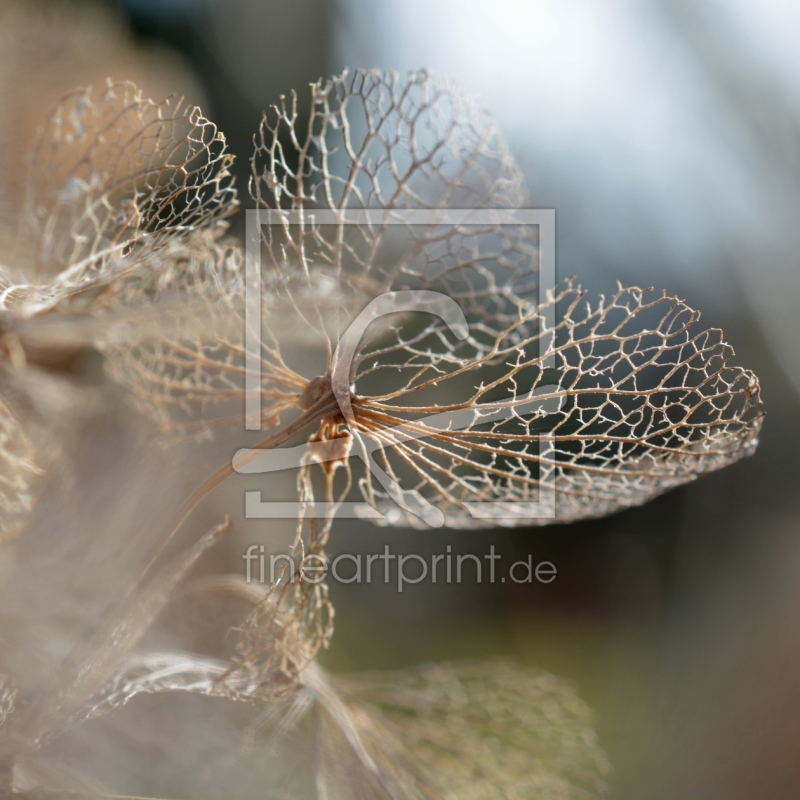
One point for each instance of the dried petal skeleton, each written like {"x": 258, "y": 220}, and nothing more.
{"x": 117, "y": 187}
{"x": 610, "y": 404}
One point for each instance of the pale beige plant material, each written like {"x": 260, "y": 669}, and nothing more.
{"x": 488, "y": 730}
{"x": 615, "y": 403}
{"x": 46, "y": 50}
{"x": 114, "y": 179}
{"x": 483, "y": 730}
{"x": 91, "y": 672}
{"x": 641, "y": 399}
{"x": 316, "y": 280}
{"x": 120, "y": 188}
{"x": 18, "y": 469}
{"x": 647, "y": 400}
{"x": 630, "y": 396}
{"x": 283, "y": 634}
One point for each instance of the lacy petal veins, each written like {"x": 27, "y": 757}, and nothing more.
{"x": 614, "y": 402}
{"x": 117, "y": 187}
{"x": 646, "y": 398}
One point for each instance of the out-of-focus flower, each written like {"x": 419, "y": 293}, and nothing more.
{"x": 48, "y": 49}
{"x": 118, "y": 185}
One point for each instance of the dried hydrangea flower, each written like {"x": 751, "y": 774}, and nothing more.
{"x": 484, "y": 729}
{"x": 609, "y": 404}
{"x": 606, "y": 405}
{"x": 644, "y": 398}
{"x": 119, "y": 188}
{"x": 88, "y": 674}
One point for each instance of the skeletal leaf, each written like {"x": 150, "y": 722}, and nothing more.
{"x": 18, "y": 470}
{"x": 145, "y": 672}
{"x": 58, "y": 48}
{"x": 190, "y": 378}
{"x": 485, "y": 730}
{"x": 617, "y": 403}
{"x": 92, "y": 663}
{"x": 530, "y": 412}
{"x": 119, "y": 190}
{"x": 283, "y": 634}
{"x": 114, "y": 178}
{"x": 489, "y": 729}
{"x": 372, "y": 184}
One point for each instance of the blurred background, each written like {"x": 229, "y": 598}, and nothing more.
{"x": 666, "y": 134}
